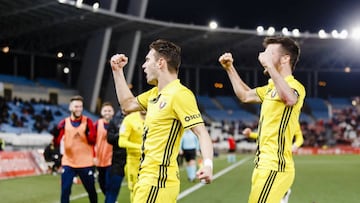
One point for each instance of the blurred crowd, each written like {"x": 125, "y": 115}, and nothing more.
{"x": 19, "y": 113}
{"x": 341, "y": 129}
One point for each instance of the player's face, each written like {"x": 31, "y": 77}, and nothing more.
{"x": 107, "y": 112}
{"x": 76, "y": 108}
{"x": 150, "y": 67}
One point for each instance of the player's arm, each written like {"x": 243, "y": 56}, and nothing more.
{"x": 124, "y": 142}
{"x": 124, "y": 134}
{"x": 207, "y": 152}
{"x": 241, "y": 89}
{"x": 125, "y": 97}
{"x": 112, "y": 133}
{"x": 299, "y": 138}
{"x": 61, "y": 129}
{"x": 90, "y": 132}
{"x": 181, "y": 151}
{"x": 285, "y": 92}
{"x": 249, "y": 133}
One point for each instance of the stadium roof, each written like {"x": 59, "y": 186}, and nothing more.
{"x": 47, "y": 26}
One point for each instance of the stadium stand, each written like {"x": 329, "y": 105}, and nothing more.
{"x": 306, "y": 118}
{"x": 339, "y": 102}
{"x": 206, "y": 102}
{"x": 18, "y": 80}
{"x": 228, "y": 102}
{"x": 50, "y": 83}
{"x": 319, "y": 109}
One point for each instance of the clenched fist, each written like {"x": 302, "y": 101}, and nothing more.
{"x": 246, "y": 132}
{"x": 266, "y": 59}
{"x": 226, "y": 60}
{"x": 118, "y": 61}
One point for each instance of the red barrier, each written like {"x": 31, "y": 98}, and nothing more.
{"x": 327, "y": 150}
{"x": 18, "y": 163}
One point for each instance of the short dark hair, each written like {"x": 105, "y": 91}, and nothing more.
{"x": 170, "y": 51}
{"x": 77, "y": 98}
{"x": 289, "y": 46}
{"x": 107, "y": 104}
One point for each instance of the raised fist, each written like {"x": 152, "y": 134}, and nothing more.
{"x": 118, "y": 61}
{"x": 226, "y": 60}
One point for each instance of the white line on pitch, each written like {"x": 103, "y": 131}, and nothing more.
{"x": 220, "y": 173}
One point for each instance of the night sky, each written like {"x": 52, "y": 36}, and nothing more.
{"x": 306, "y": 15}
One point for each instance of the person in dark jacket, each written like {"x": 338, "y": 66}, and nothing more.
{"x": 118, "y": 160}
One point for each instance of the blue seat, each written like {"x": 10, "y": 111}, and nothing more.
{"x": 206, "y": 102}
{"x": 18, "y": 80}
{"x": 228, "y": 102}
{"x": 50, "y": 83}
{"x": 340, "y": 103}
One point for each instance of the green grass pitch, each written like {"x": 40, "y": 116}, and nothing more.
{"x": 319, "y": 179}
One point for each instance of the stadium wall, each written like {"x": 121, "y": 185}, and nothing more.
{"x": 27, "y": 93}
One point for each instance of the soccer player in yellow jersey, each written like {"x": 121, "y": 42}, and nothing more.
{"x": 298, "y": 136}
{"x": 281, "y": 102}
{"x": 130, "y": 137}
{"x": 170, "y": 108}
{"x": 299, "y": 140}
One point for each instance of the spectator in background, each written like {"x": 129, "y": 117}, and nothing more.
{"x": 52, "y": 156}
{"x": 130, "y": 137}
{"x": 2, "y": 144}
{"x": 231, "y": 157}
{"x": 77, "y": 137}
{"x": 4, "y": 111}
{"x": 118, "y": 160}
{"x": 103, "y": 150}
{"x": 189, "y": 147}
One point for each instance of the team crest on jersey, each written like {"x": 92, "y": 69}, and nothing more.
{"x": 162, "y": 104}
{"x": 273, "y": 93}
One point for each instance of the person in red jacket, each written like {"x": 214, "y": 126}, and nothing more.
{"x": 231, "y": 158}
{"x": 77, "y": 138}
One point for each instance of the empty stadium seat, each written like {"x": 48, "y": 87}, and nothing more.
{"x": 340, "y": 103}
{"x": 228, "y": 102}
{"x": 19, "y": 80}
{"x": 206, "y": 102}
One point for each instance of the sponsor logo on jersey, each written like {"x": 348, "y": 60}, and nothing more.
{"x": 273, "y": 93}
{"x": 191, "y": 117}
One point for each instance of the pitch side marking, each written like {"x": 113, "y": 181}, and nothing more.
{"x": 219, "y": 174}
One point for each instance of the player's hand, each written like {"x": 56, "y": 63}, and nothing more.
{"x": 204, "y": 174}
{"x": 246, "y": 132}
{"x": 118, "y": 61}
{"x": 266, "y": 60}
{"x": 226, "y": 60}
{"x": 294, "y": 148}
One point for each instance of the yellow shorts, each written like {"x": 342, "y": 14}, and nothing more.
{"x": 269, "y": 186}
{"x": 132, "y": 170}
{"x": 153, "y": 194}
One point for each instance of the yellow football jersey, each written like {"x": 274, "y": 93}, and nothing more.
{"x": 130, "y": 134}
{"x": 169, "y": 112}
{"x": 277, "y": 125}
